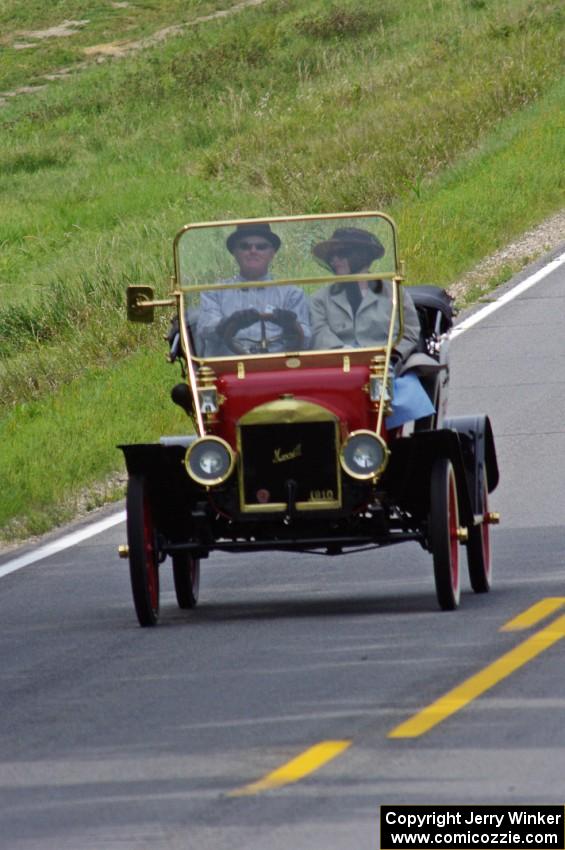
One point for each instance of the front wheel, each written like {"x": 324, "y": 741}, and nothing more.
{"x": 143, "y": 559}
{"x": 186, "y": 575}
{"x": 479, "y": 557}
{"x": 444, "y": 525}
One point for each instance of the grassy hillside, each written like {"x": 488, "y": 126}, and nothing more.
{"x": 447, "y": 113}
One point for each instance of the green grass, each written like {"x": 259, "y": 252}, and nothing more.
{"x": 513, "y": 180}
{"x": 446, "y": 114}
{"x": 60, "y": 445}
{"x": 97, "y": 23}
{"x": 320, "y": 107}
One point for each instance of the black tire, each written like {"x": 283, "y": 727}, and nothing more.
{"x": 186, "y": 575}
{"x": 143, "y": 557}
{"x": 444, "y": 523}
{"x": 479, "y": 556}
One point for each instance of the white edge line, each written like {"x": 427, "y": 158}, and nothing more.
{"x": 62, "y": 543}
{"x": 97, "y": 527}
{"x": 508, "y": 296}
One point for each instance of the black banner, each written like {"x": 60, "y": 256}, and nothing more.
{"x": 472, "y": 827}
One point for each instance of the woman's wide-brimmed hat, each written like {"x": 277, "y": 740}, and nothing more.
{"x": 350, "y": 238}
{"x": 259, "y": 229}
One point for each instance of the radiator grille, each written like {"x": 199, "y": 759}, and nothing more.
{"x": 303, "y": 453}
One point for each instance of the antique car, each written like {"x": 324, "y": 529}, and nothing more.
{"x": 300, "y": 436}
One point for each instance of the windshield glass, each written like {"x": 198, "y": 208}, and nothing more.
{"x": 308, "y": 284}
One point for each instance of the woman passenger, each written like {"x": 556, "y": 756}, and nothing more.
{"x": 357, "y": 315}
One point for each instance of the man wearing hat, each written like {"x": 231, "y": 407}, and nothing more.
{"x": 253, "y": 319}
{"x": 357, "y": 315}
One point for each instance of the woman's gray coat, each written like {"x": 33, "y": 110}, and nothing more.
{"x": 334, "y": 325}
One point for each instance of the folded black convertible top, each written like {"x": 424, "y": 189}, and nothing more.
{"x": 430, "y": 297}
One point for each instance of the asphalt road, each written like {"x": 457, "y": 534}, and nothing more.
{"x": 112, "y": 736}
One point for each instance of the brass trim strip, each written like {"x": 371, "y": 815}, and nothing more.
{"x": 284, "y": 355}
{"x": 286, "y": 218}
{"x": 189, "y": 363}
{"x": 283, "y": 281}
{"x": 389, "y": 347}
{"x": 281, "y": 507}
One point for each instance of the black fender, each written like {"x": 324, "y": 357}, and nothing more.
{"x": 170, "y": 490}
{"x": 152, "y": 460}
{"x": 479, "y": 454}
{"x": 407, "y": 479}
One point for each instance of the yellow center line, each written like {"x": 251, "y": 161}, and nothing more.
{"x": 307, "y": 762}
{"x": 533, "y": 615}
{"x": 457, "y": 698}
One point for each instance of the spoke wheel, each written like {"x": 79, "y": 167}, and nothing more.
{"x": 186, "y": 575}
{"x": 143, "y": 560}
{"x": 444, "y": 523}
{"x": 479, "y": 558}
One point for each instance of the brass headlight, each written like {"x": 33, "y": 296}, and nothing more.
{"x": 364, "y": 455}
{"x": 209, "y": 461}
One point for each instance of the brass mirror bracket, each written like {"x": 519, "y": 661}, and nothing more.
{"x": 141, "y": 306}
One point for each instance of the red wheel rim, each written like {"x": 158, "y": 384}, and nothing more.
{"x": 152, "y": 581}
{"x": 453, "y": 528}
{"x": 485, "y": 533}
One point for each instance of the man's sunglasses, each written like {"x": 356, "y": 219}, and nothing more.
{"x": 248, "y": 246}
{"x": 341, "y": 254}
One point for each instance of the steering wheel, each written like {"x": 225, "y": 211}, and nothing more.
{"x": 252, "y": 345}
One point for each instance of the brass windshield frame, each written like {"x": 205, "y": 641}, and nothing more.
{"x": 203, "y": 225}
{"x": 179, "y": 292}
{"x": 327, "y": 279}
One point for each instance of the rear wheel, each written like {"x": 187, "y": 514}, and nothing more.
{"x": 143, "y": 558}
{"x": 186, "y": 575}
{"x": 478, "y": 548}
{"x": 444, "y": 524}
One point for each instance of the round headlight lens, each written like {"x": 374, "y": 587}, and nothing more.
{"x": 209, "y": 460}
{"x": 364, "y": 455}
